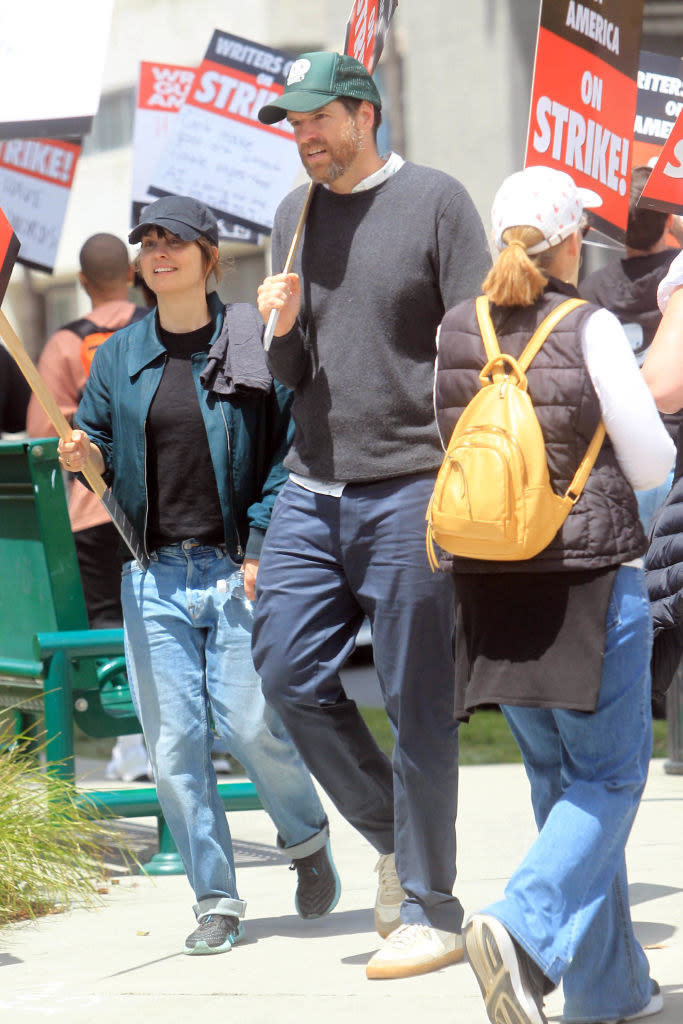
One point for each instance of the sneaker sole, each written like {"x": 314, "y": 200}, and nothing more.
{"x": 201, "y": 949}
{"x": 410, "y": 969}
{"x": 492, "y": 957}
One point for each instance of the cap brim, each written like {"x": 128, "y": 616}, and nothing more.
{"x": 590, "y": 200}
{"x": 299, "y": 101}
{"x": 176, "y": 227}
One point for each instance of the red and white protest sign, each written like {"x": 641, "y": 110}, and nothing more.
{"x": 52, "y": 59}
{"x": 162, "y": 91}
{"x": 660, "y": 99}
{"x": 584, "y": 94}
{"x": 367, "y": 29}
{"x": 218, "y": 151}
{"x": 9, "y": 249}
{"x": 35, "y": 183}
{"x": 663, "y": 78}
{"x": 664, "y": 188}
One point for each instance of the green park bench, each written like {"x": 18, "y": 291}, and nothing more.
{"x": 54, "y": 671}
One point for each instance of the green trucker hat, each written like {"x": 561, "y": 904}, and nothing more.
{"x": 316, "y": 79}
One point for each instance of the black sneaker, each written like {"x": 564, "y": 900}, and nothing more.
{"x": 512, "y": 989}
{"x": 215, "y": 933}
{"x": 319, "y": 887}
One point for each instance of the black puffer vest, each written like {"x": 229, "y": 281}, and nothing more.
{"x": 603, "y": 529}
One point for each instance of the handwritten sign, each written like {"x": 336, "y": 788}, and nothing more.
{"x": 162, "y": 91}
{"x": 218, "y": 151}
{"x": 52, "y": 56}
{"x": 583, "y": 101}
{"x": 35, "y": 182}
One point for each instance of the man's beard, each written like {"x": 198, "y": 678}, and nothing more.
{"x": 340, "y": 157}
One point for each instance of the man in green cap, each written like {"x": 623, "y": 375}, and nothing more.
{"x": 388, "y": 247}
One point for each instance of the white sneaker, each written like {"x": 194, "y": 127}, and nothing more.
{"x": 415, "y": 949}
{"x": 655, "y": 1005}
{"x": 390, "y": 896}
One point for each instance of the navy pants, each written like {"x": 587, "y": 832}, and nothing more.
{"x": 326, "y": 563}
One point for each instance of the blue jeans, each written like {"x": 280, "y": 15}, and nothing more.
{"x": 328, "y": 562}
{"x": 188, "y": 652}
{"x": 567, "y": 903}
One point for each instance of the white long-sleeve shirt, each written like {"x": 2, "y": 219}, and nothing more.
{"x": 672, "y": 281}
{"x": 642, "y": 445}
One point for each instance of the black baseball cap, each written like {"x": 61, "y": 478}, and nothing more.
{"x": 315, "y": 79}
{"x": 181, "y": 215}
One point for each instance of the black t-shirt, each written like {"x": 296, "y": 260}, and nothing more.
{"x": 181, "y": 483}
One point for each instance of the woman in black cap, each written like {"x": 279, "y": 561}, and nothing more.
{"x": 184, "y": 421}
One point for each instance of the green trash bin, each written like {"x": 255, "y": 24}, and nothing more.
{"x": 674, "y": 718}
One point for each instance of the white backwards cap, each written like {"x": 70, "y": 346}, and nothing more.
{"x": 542, "y": 198}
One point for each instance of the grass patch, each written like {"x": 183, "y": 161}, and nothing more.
{"x": 486, "y": 739}
{"x": 51, "y": 853}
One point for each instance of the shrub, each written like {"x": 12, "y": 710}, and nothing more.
{"x": 51, "y": 853}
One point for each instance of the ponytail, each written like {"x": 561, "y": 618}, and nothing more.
{"x": 517, "y": 279}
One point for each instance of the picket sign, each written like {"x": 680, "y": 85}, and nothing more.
{"x": 584, "y": 97}
{"x": 664, "y": 188}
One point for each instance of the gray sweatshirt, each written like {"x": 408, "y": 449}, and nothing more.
{"x": 379, "y": 268}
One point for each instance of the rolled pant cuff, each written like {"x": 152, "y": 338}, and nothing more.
{"x": 300, "y": 850}
{"x": 225, "y": 905}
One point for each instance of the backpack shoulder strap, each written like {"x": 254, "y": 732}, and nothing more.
{"x": 575, "y": 488}
{"x": 83, "y": 327}
{"x": 544, "y": 329}
{"x": 573, "y": 492}
{"x": 488, "y": 332}
{"x": 539, "y": 336}
{"x": 486, "y": 328}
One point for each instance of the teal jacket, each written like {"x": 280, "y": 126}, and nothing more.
{"x": 249, "y": 433}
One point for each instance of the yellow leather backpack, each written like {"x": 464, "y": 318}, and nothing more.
{"x": 492, "y": 498}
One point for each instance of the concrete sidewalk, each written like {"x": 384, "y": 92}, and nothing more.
{"x": 122, "y": 962}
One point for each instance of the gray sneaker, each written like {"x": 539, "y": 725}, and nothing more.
{"x": 215, "y": 933}
{"x": 390, "y": 896}
{"x": 319, "y": 887}
{"x": 505, "y": 973}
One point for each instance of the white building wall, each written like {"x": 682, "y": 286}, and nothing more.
{"x": 463, "y": 87}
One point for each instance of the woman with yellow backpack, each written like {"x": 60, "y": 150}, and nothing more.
{"x": 559, "y": 635}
